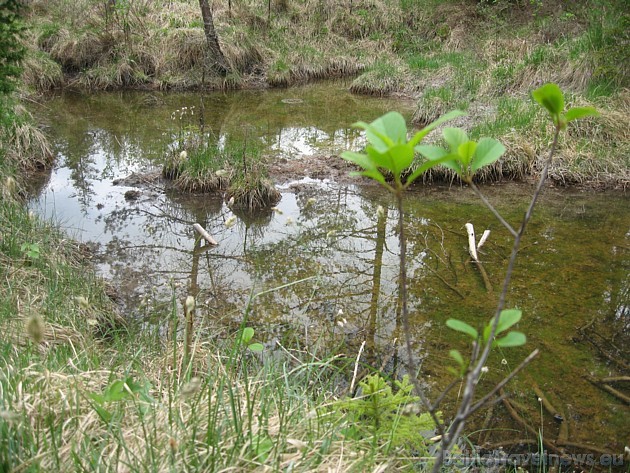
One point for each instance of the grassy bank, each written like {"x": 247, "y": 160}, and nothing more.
{"x": 483, "y": 56}
{"x": 83, "y": 388}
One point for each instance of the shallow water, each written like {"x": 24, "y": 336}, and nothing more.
{"x": 334, "y": 259}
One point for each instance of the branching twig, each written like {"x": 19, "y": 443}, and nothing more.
{"x": 505, "y": 380}
{"x": 492, "y": 209}
{"x": 472, "y": 377}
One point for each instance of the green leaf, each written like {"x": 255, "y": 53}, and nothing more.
{"x": 247, "y": 335}
{"x": 457, "y": 356}
{"x": 428, "y": 165}
{"x": 379, "y": 160}
{"x": 377, "y": 139}
{"x": 431, "y": 126}
{"x": 263, "y": 448}
{"x": 256, "y": 347}
{"x": 550, "y": 96}
{"x": 512, "y": 339}
{"x": 488, "y": 151}
{"x": 463, "y": 327}
{"x": 372, "y": 174}
{"x": 391, "y": 125}
{"x": 431, "y": 152}
{"x": 466, "y": 151}
{"x": 385, "y": 131}
{"x": 401, "y": 157}
{"x": 580, "y": 112}
{"x": 454, "y": 137}
{"x": 115, "y": 392}
{"x": 361, "y": 160}
{"x": 508, "y": 318}
{"x": 103, "y": 413}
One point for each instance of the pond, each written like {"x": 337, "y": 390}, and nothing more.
{"x": 326, "y": 259}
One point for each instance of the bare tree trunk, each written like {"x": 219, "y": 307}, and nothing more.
{"x": 219, "y": 63}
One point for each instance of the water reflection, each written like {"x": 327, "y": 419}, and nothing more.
{"x": 573, "y": 266}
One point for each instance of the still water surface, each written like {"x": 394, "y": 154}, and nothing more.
{"x": 573, "y": 269}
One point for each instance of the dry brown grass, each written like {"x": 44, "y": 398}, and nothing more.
{"x": 42, "y": 73}
{"x": 168, "y": 46}
{"x": 253, "y": 193}
{"x": 385, "y": 78}
{"x": 170, "y": 435}
{"x": 200, "y": 182}
{"x": 26, "y": 145}
{"x": 79, "y": 51}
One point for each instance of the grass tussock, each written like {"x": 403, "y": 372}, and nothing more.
{"x": 42, "y": 73}
{"x": 524, "y": 129}
{"x": 253, "y": 192}
{"x": 202, "y": 164}
{"x": 25, "y": 147}
{"x": 384, "y": 78}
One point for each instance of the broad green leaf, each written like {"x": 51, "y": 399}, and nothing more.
{"x": 385, "y": 131}
{"x": 512, "y": 339}
{"x": 377, "y": 139}
{"x": 256, "y": 347}
{"x": 580, "y": 112}
{"x": 550, "y": 96}
{"x": 262, "y": 448}
{"x": 463, "y": 327}
{"x": 392, "y": 125}
{"x": 431, "y": 126}
{"x": 448, "y": 158}
{"x": 401, "y": 157}
{"x": 379, "y": 160}
{"x": 454, "y": 137}
{"x": 360, "y": 159}
{"x": 248, "y": 334}
{"x": 457, "y": 356}
{"x": 466, "y": 151}
{"x": 438, "y": 155}
{"x": 372, "y": 174}
{"x": 431, "y": 152}
{"x": 453, "y": 164}
{"x": 507, "y": 318}
{"x": 115, "y": 392}
{"x": 488, "y": 151}
{"x": 99, "y": 398}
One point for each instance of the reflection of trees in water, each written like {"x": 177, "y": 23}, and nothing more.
{"x": 617, "y": 299}
{"x": 156, "y": 245}
{"x": 343, "y": 245}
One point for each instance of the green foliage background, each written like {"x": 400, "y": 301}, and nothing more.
{"x": 11, "y": 49}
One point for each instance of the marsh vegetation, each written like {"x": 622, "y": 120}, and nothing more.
{"x": 280, "y": 347}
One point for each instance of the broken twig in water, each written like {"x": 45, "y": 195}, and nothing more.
{"x": 519, "y": 420}
{"x": 545, "y": 402}
{"x": 609, "y": 389}
{"x": 204, "y": 234}
{"x": 472, "y": 249}
{"x": 472, "y": 244}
